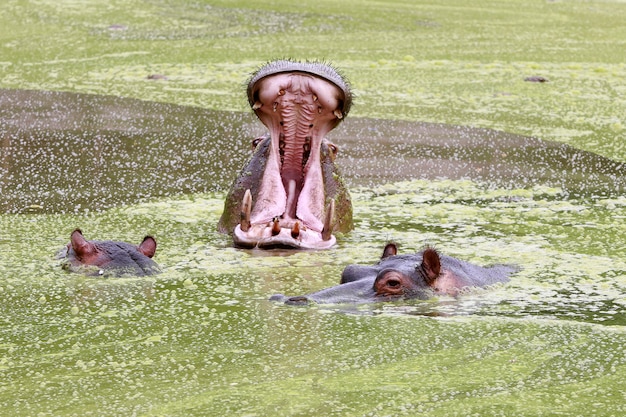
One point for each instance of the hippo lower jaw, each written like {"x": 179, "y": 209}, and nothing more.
{"x": 268, "y": 236}
{"x": 290, "y": 208}
{"x": 282, "y": 231}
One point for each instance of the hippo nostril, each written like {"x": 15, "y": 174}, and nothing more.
{"x": 297, "y": 301}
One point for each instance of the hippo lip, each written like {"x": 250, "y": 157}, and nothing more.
{"x": 299, "y": 103}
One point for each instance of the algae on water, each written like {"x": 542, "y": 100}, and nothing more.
{"x": 202, "y": 338}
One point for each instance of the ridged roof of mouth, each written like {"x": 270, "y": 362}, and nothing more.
{"x": 317, "y": 68}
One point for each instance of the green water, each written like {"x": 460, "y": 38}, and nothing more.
{"x": 430, "y": 61}
{"x": 202, "y": 339}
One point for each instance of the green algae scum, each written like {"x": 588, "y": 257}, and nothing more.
{"x": 163, "y": 130}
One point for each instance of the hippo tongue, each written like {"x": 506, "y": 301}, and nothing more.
{"x": 299, "y": 109}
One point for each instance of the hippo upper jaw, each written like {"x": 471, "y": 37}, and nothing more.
{"x": 356, "y": 292}
{"x": 290, "y": 208}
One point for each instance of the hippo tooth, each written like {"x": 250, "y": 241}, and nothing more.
{"x": 314, "y": 98}
{"x": 257, "y": 105}
{"x": 275, "y": 226}
{"x": 295, "y": 231}
{"x": 327, "y": 231}
{"x": 338, "y": 114}
{"x": 275, "y": 106}
{"x": 246, "y": 208}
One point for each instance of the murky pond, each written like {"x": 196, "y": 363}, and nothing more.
{"x": 202, "y": 337}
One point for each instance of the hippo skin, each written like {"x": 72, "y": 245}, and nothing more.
{"x": 290, "y": 194}
{"x": 420, "y": 275}
{"x": 109, "y": 258}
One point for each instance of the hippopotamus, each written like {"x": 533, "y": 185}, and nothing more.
{"x": 420, "y": 275}
{"x": 109, "y": 258}
{"x": 290, "y": 193}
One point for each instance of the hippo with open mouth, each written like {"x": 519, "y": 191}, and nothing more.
{"x": 290, "y": 193}
{"x": 420, "y": 275}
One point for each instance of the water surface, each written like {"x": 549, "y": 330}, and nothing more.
{"x": 64, "y": 152}
{"x": 202, "y": 338}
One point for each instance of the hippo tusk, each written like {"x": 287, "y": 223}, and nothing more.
{"x": 327, "y": 231}
{"x": 246, "y": 208}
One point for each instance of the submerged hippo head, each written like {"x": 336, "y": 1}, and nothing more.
{"x": 290, "y": 193}
{"x": 420, "y": 275}
{"x": 109, "y": 258}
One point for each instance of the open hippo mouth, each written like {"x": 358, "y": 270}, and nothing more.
{"x": 299, "y": 103}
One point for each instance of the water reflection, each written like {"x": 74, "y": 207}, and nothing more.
{"x": 386, "y": 151}
{"x": 66, "y": 152}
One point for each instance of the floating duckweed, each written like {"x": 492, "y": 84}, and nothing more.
{"x": 522, "y": 348}
{"x": 153, "y": 339}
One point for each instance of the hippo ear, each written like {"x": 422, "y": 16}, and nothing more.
{"x": 431, "y": 265}
{"x": 80, "y": 245}
{"x": 148, "y": 246}
{"x": 391, "y": 249}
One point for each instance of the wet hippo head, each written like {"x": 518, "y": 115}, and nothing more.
{"x": 421, "y": 275}
{"x": 109, "y": 258}
{"x": 290, "y": 193}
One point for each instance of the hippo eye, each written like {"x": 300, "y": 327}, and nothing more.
{"x": 393, "y": 283}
